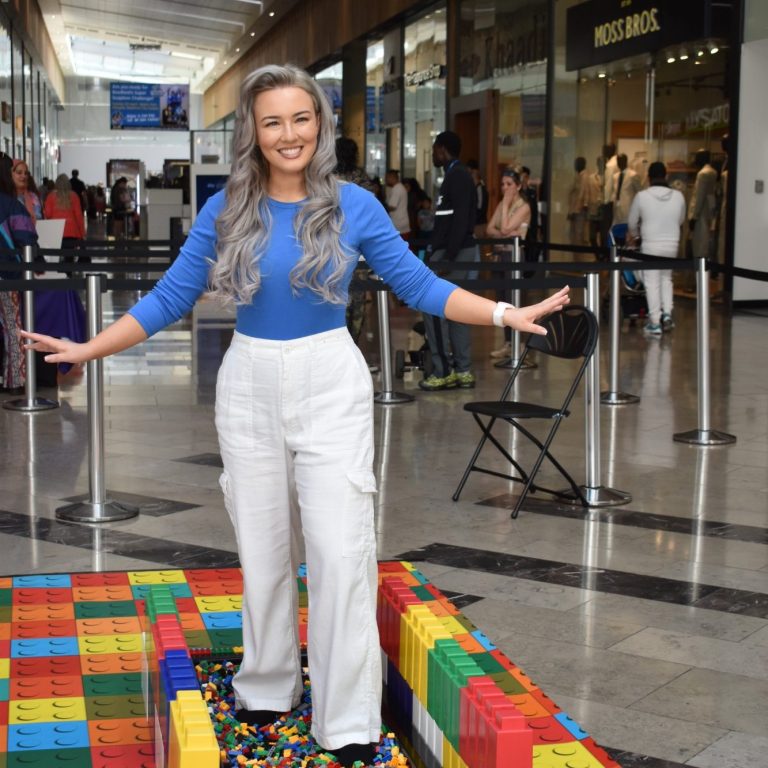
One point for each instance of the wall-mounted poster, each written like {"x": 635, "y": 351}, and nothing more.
{"x": 142, "y": 106}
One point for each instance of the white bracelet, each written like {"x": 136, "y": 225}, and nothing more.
{"x": 498, "y": 312}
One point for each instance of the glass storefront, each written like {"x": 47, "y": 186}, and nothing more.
{"x": 667, "y": 104}
{"x": 375, "y": 137}
{"x": 424, "y": 94}
{"x": 503, "y": 46}
{"x": 330, "y": 80}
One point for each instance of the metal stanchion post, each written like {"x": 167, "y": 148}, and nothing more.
{"x": 30, "y": 403}
{"x": 511, "y": 362}
{"x": 595, "y": 494}
{"x": 613, "y": 396}
{"x": 387, "y": 396}
{"x": 704, "y": 435}
{"x": 97, "y": 509}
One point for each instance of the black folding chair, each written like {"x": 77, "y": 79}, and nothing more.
{"x": 571, "y": 333}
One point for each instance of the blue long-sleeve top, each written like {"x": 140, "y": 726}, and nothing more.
{"x": 276, "y": 311}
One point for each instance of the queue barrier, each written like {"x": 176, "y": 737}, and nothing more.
{"x": 99, "y": 509}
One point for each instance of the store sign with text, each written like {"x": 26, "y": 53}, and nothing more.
{"x": 600, "y": 31}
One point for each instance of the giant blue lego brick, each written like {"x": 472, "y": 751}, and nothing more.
{"x": 571, "y": 726}
{"x": 44, "y": 580}
{"x": 36, "y": 736}
{"x": 223, "y": 620}
{"x": 45, "y": 646}
{"x": 140, "y": 591}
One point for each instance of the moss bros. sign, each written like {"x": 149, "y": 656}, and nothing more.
{"x": 599, "y": 31}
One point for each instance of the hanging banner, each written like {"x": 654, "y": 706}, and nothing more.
{"x": 600, "y": 31}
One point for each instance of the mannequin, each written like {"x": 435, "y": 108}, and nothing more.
{"x": 703, "y": 205}
{"x": 626, "y": 184}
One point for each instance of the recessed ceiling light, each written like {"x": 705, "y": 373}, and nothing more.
{"x": 601, "y": 75}
{"x": 713, "y": 50}
{"x": 237, "y": 50}
{"x": 670, "y": 59}
{"x": 271, "y": 13}
{"x": 253, "y": 34}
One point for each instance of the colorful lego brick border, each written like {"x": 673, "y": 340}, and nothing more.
{"x": 84, "y": 657}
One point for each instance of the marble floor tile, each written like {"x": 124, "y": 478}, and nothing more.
{"x": 734, "y": 750}
{"x": 701, "y": 652}
{"x": 640, "y": 732}
{"x": 719, "y": 699}
{"x": 586, "y": 672}
{"x": 652, "y": 613}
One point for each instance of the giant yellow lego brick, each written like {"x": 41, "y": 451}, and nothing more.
{"x": 430, "y": 631}
{"x": 452, "y": 626}
{"x": 65, "y": 710}
{"x": 451, "y": 757}
{"x": 136, "y": 578}
{"x": 191, "y": 740}
{"x": 219, "y": 604}
{"x": 572, "y": 754}
{"x": 5, "y": 669}
{"x": 408, "y": 641}
{"x": 103, "y": 644}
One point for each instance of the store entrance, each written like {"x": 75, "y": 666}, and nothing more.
{"x": 669, "y": 106}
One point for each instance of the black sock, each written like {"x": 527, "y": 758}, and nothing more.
{"x": 256, "y": 716}
{"x": 349, "y": 754}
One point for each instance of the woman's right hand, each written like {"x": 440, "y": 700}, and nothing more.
{"x": 59, "y": 350}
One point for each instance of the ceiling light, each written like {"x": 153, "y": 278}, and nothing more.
{"x": 670, "y": 59}
{"x": 714, "y": 49}
{"x": 271, "y": 14}
{"x": 253, "y": 34}
{"x": 183, "y": 55}
{"x": 699, "y": 53}
{"x": 237, "y": 50}
{"x": 601, "y": 75}
{"x": 683, "y": 55}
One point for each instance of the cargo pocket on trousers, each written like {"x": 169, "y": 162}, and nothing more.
{"x": 358, "y": 534}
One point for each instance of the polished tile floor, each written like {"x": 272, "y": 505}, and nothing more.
{"x": 648, "y": 623}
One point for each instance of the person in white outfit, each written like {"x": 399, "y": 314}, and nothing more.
{"x": 656, "y": 215}
{"x": 294, "y": 397}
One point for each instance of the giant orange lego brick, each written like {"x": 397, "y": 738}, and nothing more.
{"x": 5, "y": 630}
{"x": 6, "y": 582}
{"x": 102, "y": 594}
{"x": 191, "y": 621}
{"x": 118, "y": 626}
{"x": 59, "y": 687}
{"x": 111, "y": 663}
{"x": 25, "y": 630}
{"x": 107, "y": 733}
{"x": 528, "y": 705}
{"x": 43, "y": 612}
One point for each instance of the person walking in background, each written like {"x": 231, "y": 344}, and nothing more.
{"x": 16, "y": 230}
{"x": 453, "y": 239}
{"x": 294, "y": 398}
{"x": 65, "y": 204}
{"x": 397, "y": 203}
{"x": 511, "y": 218}
{"x": 656, "y": 215}
{"x": 79, "y": 188}
{"x": 26, "y": 190}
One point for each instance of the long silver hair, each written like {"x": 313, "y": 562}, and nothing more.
{"x": 243, "y": 228}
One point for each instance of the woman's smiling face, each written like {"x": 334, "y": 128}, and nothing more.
{"x": 20, "y": 172}
{"x": 287, "y": 127}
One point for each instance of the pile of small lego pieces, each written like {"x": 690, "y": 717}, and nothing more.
{"x": 286, "y": 743}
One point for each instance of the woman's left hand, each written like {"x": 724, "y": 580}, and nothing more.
{"x": 523, "y": 319}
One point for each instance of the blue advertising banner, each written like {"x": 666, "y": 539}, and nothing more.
{"x": 142, "y": 106}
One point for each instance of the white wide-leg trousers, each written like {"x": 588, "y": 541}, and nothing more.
{"x": 295, "y": 426}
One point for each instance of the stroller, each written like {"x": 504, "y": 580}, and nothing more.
{"x": 634, "y": 305}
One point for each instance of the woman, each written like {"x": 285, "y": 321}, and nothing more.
{"x": 26, "y": 190}
{"x": 511, "y": 218}
{"x": 294, "y": 409}
{"x": 65, "y": 204}
{"x": 16, "y": 230}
